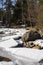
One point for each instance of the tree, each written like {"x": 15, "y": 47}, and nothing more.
{"x": 2, "y": 9}
{"x": 40, "y": 16}
{"x": 26, "y": 11}
{"x": 32, "y": 11}
{"x": 1, "y": 12}
{"x": 8, "y": 7}
{"x": 18, "y": 12}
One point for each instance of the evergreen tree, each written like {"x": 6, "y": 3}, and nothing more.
{"x": 8, "y": 11}
{"x": 18, "y": 12}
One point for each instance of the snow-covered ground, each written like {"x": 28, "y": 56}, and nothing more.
{"x": 22, "y": 56}
{"x": 12, "y": 33}
{"x": 16, "y": 31}
{"x": 8, "y": 63}
{"x": 7, "y": 39}
{"x": 8, "y": 43}
{"x": 13, "y": 63}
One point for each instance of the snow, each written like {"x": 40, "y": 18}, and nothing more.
{"x": 12, "y": 33}
{"x": 22, "y": 56}
{"x": 31, "y": 55}
{"x": 8, "y": 37}
{"x": 17, "y": 31}
{"x": 19, "y": 41}
{"x": 39, "y": 42}
{"x": 8, "y": 63}
{"x": 13, "y": 63}
{"x": 8, "y": 43}
{"x": 8, "y": 40}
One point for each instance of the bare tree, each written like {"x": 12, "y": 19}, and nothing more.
{"x": 32, "y": 11}
{"x": 8, "y": 11}
{"x": 2, "y": 9}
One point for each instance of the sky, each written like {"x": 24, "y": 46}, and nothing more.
{"x": 0, "y": 3}
{"x": 4, "y": 1}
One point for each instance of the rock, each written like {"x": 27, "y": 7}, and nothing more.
{"x": 36, "y": 47}
{"x": 34, "y": 35}
{"x": 41, "y": 62}
{"x": 4, "y": 59}
{"x": 41, "y": 48}
{"x": 42, "y": 37}
{"x": 31, "y": 45}
{"x": 31, "y": 36}
{"x": 28, "y": 44}
{"x": 25, "y": 37}
{"x": 1, "y": 32}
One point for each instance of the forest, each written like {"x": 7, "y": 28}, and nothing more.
{"x": 21, "y": 12}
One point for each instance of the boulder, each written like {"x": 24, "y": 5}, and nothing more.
{"x": 31, "y": 36}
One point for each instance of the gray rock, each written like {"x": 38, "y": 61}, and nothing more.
{"x": 34, "y": 35}
{"x": 31, "y": 36}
